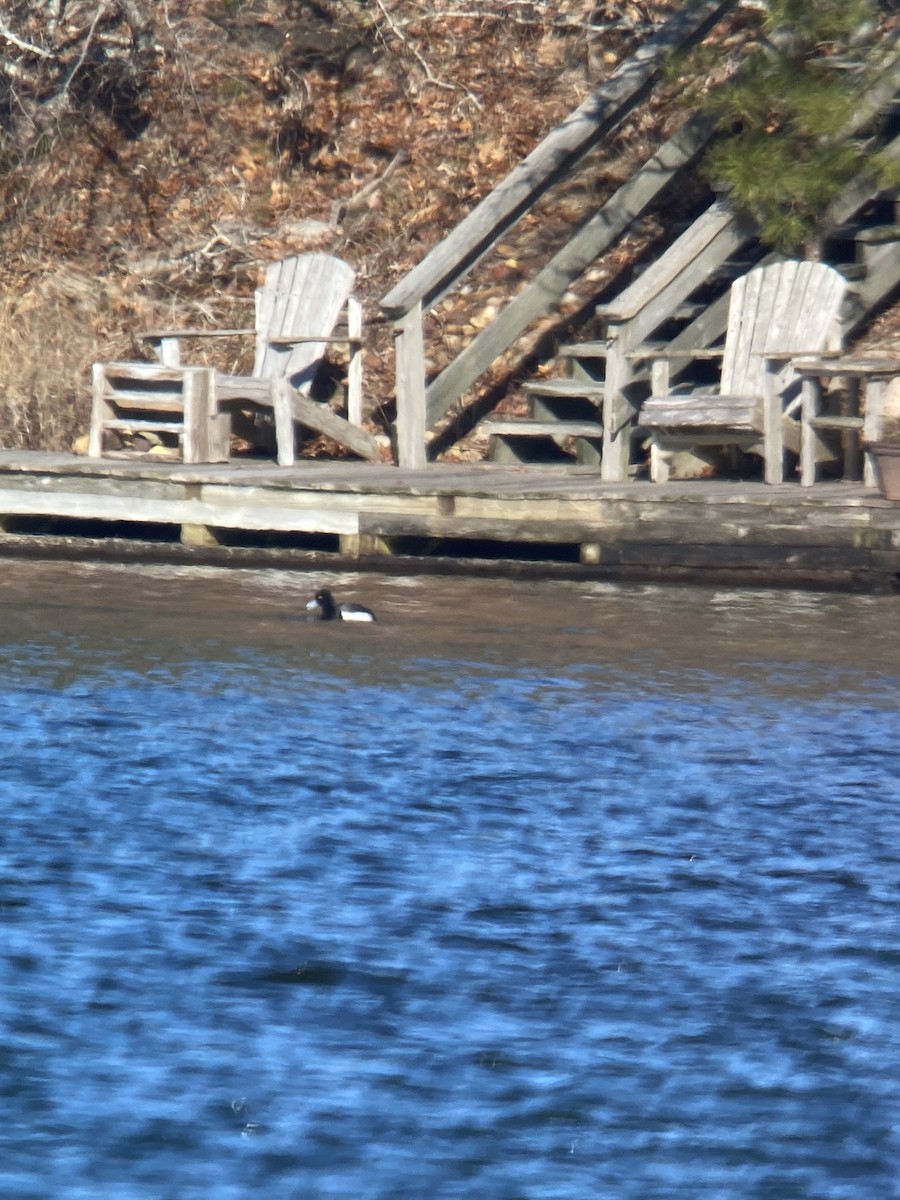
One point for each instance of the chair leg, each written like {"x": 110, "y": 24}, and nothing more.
{"x": 660, "y": 461}
{"x": 810, "y": 404}
{"x": 100, "y": 411}
{"x": 773, "y": 431}
{"x": 873, "y": 405}
{"x": 207, "y": 433}
{"x": 355, "y": 364}
{"x": 775, "y": 461}
{"x": 284, "y": 423}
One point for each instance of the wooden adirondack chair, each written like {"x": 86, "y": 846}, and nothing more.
{"x": 777, "y": 313}
{"x": 296, "y": 311}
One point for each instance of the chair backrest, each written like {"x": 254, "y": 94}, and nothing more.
{"x": 785, "y": 307}
{"x": 302, "y": 296}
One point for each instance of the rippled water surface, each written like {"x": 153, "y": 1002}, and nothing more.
{"x": 529, "y": 890}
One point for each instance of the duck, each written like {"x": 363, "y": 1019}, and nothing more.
{"x": 324, "y": 607}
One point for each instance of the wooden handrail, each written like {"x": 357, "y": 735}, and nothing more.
{"x": 630, "y": 83}
{"x": 542, "y": 295}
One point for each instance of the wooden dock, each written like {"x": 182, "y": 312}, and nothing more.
{"x": 475, "y": 518}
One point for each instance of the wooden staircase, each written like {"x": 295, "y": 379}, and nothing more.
{"x": 565, "y": 425}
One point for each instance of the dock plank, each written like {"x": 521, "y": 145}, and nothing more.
{"x": 845, "y": 533}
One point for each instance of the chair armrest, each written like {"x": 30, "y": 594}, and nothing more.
{"x": 167, "y": 342}
{"x": 286, "y": 339}
{"x": 159, "y": 335}
{"x": 808, "y": 356}
{"x": 662, "y": 355}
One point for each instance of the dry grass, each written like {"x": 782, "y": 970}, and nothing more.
{"x": 51, "y": 332}
{"x": 44, "y": 397}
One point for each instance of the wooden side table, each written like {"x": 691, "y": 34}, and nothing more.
{"x": 866, "y": 379}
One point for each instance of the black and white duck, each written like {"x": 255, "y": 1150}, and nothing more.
{"x": 324, "y": 607}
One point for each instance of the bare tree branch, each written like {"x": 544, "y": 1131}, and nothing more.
{"x": 8, "y": 35}
{"x": 421, "y": 60}
{"x": 96, "y": 61}
{"x": 61, "y": 100}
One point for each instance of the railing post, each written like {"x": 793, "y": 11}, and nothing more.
{"x": 409, "y": 350}
{"x": 618, "y": 413}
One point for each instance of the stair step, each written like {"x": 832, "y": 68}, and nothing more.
{"x": 688, "y": 310}
{"x": 146, "y": 426}
{"x": 851, "y": 423}
{"x": 564, "y": 387}
{"x": 525, "y": 427}
{"x": 584, "y": 350}
{"x": 646, "y": 350}
{"x": 565, "y": 408}
{"x": 137, "y": 398}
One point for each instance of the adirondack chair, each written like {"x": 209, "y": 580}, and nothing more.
{"x": 777, "y": 313}
{"x": 296, "y": 311}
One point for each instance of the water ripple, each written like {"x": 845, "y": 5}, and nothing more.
{"x": 405, "y": 921}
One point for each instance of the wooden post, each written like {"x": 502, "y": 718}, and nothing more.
{"x": 198, "y": 535}
{"x": 192, "y": 416}
{"x": 99, "y": 412}
{"x": 409, "y": 349}
{"x": 851, "y": 450}
{"x": 362, "y": 545}
{"x": 660, "y": 377}
{"x": 660, "y": 461}
{"x": 166, "y": 349}
{"x": 618, "y": 413}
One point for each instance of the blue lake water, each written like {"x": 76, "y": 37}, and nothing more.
{"x": 529, "y": 891}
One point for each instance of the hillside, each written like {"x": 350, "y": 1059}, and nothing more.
{"x": 156, "y": 157}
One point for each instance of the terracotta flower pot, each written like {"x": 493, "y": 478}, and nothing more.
{"x": 887, "y": 464}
